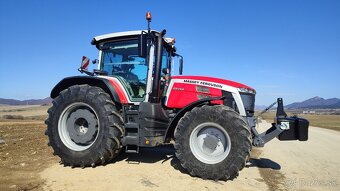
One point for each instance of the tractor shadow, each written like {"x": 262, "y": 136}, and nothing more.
{"x": 165, "y": 153}
{"x": 263, "y": 163}
{"x": 161, "y": 153}
{"x": 257, "y": 161}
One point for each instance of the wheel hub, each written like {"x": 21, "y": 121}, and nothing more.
{"x": 82, "y": 126}
{"x": 210, "y": 143}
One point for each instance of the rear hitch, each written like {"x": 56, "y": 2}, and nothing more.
{"x": 284, "y": 128}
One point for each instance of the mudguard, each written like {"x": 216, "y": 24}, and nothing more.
{"x": 172, "y": 126}
{"x": 90, "y": 80}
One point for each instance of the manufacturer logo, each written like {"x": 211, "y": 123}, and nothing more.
{"x": 203, "y": 83}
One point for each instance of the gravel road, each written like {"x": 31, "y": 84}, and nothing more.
{"x": 290, "y": 165}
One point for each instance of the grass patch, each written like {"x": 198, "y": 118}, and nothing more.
{"x": 319, "y": 120}
{"x": 33, "y": 112}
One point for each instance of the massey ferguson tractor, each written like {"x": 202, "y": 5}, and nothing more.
{"x": 134, "y": 100}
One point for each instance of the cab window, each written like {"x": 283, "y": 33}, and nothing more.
{"x": 121, "y": 60}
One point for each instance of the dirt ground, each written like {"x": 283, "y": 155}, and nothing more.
{"x": 23, "y": 155}
{"x": 26, "y": 163}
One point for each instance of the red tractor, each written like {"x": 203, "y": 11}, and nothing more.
{"x": 133, "y": 100}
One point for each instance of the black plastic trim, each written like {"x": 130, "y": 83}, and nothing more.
{"x": 229, "y": 101}
{"x": 156, "y": 82}
{"x": 248, "y": 103}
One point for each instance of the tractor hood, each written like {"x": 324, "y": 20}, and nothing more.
{"x": 212, "y": 82}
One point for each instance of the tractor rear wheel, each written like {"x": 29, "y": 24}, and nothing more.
{"x": 84, "y": 127}
{"x": 212, "y": 142}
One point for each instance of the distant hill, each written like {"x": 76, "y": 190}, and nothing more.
{"x": 316, "y": 103}
{"x": 25, "y": 102}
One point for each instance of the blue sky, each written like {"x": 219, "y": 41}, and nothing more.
{"x": 282, "y": 48}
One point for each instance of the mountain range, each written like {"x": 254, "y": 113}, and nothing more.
{"x": 25, "y": 102}
{"x": 316, "y": 103}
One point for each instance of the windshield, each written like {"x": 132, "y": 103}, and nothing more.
{"x": 122, "y": 61}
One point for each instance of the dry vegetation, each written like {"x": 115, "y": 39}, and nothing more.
{"x": 317, "y": 120}
{"x": 30, "y": 112}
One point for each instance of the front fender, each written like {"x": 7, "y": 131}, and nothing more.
{"x": 173, "y": 124}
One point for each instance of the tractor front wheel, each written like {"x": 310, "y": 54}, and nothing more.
{"x": 212, "y": 142}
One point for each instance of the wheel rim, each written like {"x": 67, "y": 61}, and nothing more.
{"x": 210, "y": 143}
{"x": 78, "y": 126}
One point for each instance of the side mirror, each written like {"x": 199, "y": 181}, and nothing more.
{"x": 85, "y": 63}
{"x": 95, "y": 61}
{"x": 142, "y": 45}
{"x": 180, "y": 65}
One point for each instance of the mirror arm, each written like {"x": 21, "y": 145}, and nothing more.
{"x": 85, "y": 71}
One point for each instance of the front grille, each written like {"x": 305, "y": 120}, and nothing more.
{"x": 248, "y": 103}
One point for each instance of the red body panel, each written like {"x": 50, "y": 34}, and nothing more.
{"x": 184, "y": 89}
{"x": 120, "y": 91}
{"x": 184, "y": 94}
{"x": 216, "y": 80}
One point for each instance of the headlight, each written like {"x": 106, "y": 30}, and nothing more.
{"x": 246, "y": 90}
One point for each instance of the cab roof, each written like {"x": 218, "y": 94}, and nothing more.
{"x": 109, "y": 36}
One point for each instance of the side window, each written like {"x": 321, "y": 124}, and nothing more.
{"x": 121, "y": 60}
{"x": 165, "y": 59}
{"x": 111, "y": 58}
{"x": 165, "y": 74}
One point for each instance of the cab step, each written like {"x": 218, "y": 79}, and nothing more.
{"x": 131, "y": 138}
{"x": 132, "y": 149}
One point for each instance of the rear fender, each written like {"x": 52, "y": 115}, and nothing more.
{"x": 92, "y": 81}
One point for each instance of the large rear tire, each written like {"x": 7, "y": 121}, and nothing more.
{"x": 84, "y": 127}
{"x": 212, "y": 142}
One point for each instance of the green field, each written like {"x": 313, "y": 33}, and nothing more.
{"x": 319, "y": 120}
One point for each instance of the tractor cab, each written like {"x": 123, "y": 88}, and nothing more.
{"x": 131, "y": 57}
